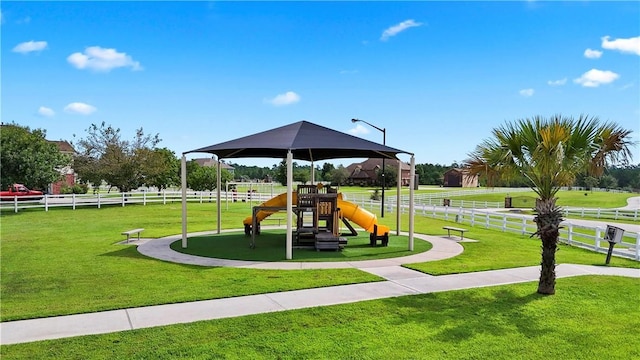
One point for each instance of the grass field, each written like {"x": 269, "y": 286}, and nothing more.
{"x": 502, "y": 322}
{"x": 565, "y": 198}
{"x": 66, "y": 262}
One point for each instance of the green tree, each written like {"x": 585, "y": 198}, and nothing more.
{"x": 590, "y": 182}
{"x": 391, "y": 175}
{"x": 26, "y": 157}
{"x": 549, "y": 153}
{"x": 104, "y": 155}
{"x": 325, "y": 173}
{"x": 162, "y": 169}
{"x": 339, "y": 175}
{"x": 204, "y": 178}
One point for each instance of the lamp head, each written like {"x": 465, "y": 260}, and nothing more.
{"x": 354, "y": 120}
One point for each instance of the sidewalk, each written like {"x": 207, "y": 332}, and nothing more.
{"x": 400, "y": 282}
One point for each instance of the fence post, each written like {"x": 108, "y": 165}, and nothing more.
{"x": 46, "y": 202}
{"x": 616, "y": 214}
{"x": 524, "y": 226}
{"x": 487, "y": 220}
{"x": 638, "y": 246}
{"x": 15, "y": 203}
{"x": 598, "y": 237}
{"x": 434, "y": 211}
{"x": 504, "y": 223}
{"x": 144, "y": 198}
{"x": 570, "y": 233}
{"x": 446, "y": 213}
{"x": 164, "y": 197}
{"x": 473, "y": 216}
{"x": 598, "y": 216}
{"x": 98, "y": 200}
{"x": 123, "y": 199}
{"x": 73, "y": 201}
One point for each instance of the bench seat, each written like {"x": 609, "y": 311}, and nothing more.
{"x": 452, "y": 228}
{"x": 132, "y": 232}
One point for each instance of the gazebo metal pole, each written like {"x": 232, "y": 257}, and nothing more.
{"x": 398, "y": 197}
{"x": 412, "y": 180}
{"x": 218, "y": 184}
{"x": 289, "y": 205}
{"x": 184, "y": 200}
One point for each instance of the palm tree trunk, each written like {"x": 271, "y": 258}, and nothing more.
{"x": 548, "y": 220}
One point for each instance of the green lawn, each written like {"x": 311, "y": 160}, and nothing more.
{"x": 66, "y": 262}
{"x": 571, "y": 198}
{"x": 591, "y": 317}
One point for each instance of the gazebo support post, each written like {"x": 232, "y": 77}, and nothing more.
{"x": 412, "y": 175}
{"x": 183, "y": 178}
{"x": 218, "y": 184}
{"x": 289, "y": 205}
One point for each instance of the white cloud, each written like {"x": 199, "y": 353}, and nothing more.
{"x": 46, "y": 112}
{"x": 101, "y": 59}
{"x": 559, "y": 82}
{"x": 287, "y": 98}
{"x": 630, "y": 45}
{"x": 595, "y": 78}
{"x": 359, "y": 130}
{"x": 592, "y": 54}
{"x": 527, "y": 92}
{"x": 396, "y": 29}
{"x": 80, "y": 108}
{"x": 30, "y": 46}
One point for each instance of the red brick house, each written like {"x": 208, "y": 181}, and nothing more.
{"x": 68, "y": 174}
{"x": 459, "y": 178}
{"x": 366, "y": 173}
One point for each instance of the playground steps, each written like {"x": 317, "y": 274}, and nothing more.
{"x": 327, "y": 241}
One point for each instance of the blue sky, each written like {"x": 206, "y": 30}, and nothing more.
{"x": 438, "y": 76}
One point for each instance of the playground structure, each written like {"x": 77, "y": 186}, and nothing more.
{"x": 319, "y": 211}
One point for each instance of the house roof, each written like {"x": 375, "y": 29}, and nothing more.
{"x": 211, "y": 162}
{"x": 306, "y": 141}
{"x": 63, "y": 146}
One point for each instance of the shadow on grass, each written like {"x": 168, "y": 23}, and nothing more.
{"x": 457, "y": 319}
{"x": 270, "y": 246}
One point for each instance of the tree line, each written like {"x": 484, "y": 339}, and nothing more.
{"x": 103, "y": 156}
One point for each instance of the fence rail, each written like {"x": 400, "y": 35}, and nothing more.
{"x": 473, "y": 213}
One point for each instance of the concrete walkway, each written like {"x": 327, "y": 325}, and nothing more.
{"x": 400, "y": 281}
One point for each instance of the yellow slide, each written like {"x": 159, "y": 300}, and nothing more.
{"x": 360, "y": 216}
{"x": 348, "y": 210}
{"x": 278, "y": 201}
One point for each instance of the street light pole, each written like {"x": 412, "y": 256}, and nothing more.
{"x": 384, "y": 142}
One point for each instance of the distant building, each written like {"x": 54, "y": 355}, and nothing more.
{"x": 212, "y": 162}
{"x": 459, "y": 178}
{"x": 68, "y": 174}
{"x": 366, "y": 172}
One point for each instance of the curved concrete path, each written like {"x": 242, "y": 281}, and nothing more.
{"x": 400, "y": 282}
{"x": 443, "y": 248}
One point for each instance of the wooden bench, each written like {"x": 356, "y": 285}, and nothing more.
{"x": 132, "y": 232}
{"x": 451, "y": 228}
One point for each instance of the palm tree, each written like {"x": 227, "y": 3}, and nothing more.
{"x": 549, "y": 153}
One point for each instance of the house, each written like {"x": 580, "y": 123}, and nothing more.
{"x": 211, "y": 162}
{"x": 68, "y": 174}
{"x": 366, "y": 172}
{"x": 458, "y": 177}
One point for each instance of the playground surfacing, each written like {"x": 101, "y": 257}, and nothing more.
{"x": 270, "y": 247}
{"x": 441, "y": 248}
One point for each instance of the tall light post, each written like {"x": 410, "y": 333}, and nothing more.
{"x": 384, "y": 142}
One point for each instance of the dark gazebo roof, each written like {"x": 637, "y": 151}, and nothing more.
{"x": 307, "y": 141}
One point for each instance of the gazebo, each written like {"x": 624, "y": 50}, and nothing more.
{"x": 301, "y": 141}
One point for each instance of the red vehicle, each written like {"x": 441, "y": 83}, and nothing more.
{"x": 20, "y": 192}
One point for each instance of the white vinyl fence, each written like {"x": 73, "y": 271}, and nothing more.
{"x": 472, "y": 213}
